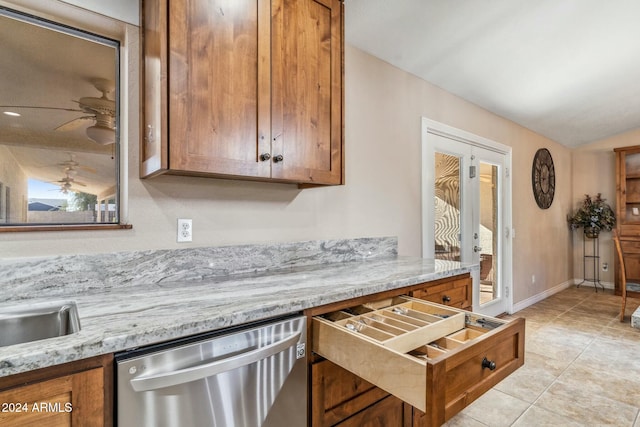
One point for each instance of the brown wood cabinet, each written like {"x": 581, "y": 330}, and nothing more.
{"x": 338, "y": 394}
{"x": 74, "y": 394}
{"x": 248, "y": 89}
{"x": 454, "y": 293}
{"x": 466, "y": 355}
{"x": 628, "y": 211}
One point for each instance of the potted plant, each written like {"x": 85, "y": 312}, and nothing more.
{"x": 593, "y": 215}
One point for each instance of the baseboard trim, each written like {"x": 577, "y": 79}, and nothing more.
{"x": 561, "y": 287}
{"x": 590, "y": 284}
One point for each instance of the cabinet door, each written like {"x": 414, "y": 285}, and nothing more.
{"x": 337, "y": 394}
{"x": 219, "y": 108}
{"x": 628, "y": 206}
{"x": 75, "y": 399}
{"x": 307, "y": 90}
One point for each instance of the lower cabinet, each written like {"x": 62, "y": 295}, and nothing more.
{"x": 454, "y": 293}
{"x": 394, "y": 360}
{"x": 388, "y": 412}
{"x": 340, "y": 398}
{"x": 73, "y": 394}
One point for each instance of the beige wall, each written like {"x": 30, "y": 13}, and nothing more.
{"x": 594, "y": 167}
{"x": 12, "y": 177}
{"x": 381, "y": 197}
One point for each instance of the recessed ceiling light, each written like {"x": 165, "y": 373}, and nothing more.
{"x": 11, "y": 113}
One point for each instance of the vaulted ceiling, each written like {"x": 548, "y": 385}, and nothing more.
{"x": 566, "y": 69}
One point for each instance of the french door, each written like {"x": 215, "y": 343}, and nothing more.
{"x": 466, "y": 212}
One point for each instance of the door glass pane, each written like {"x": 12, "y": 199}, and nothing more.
{"x": 447, "y": 207}
{"x": 488, "y": 229}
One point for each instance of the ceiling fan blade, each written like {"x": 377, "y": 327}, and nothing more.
{"x": 82, "y": 184}
{"x": 73, "y": 124}
{"x": 75, "y": 110}
{"x": 88, "y": 169}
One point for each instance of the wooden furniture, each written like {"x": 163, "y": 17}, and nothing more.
{"x": 249, "y": 91}
{"x": 454, "y": 293}
{"x": 436, "y": 359}
{"x": 340, "y": 398}
{"x": 77, "y": 393}
{"x": 628, "y": 213}
{"x": 625, "y": 287}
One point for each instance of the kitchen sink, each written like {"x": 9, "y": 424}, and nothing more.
{"x": 31, "y": 322}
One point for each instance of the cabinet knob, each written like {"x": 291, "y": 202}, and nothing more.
{"x": 265, "y": 156}
{"x": 486, "y": 363}
{"x": 278, "y": 158}
{"x": 446, "y": 298}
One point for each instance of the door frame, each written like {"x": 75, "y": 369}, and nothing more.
{"x": 434, "y": 128}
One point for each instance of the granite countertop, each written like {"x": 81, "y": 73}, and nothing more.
{"x": 117, "y": 318}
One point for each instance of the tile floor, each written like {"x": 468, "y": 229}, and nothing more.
{"x": 582, "y": 367}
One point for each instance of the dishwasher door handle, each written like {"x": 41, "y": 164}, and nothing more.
{"x": 194, "y": 373}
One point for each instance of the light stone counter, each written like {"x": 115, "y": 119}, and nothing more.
{"x": 128, "y": 300}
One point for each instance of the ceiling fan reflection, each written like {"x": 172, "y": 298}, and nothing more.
{"x": 67, "y": 183}
{"x": 101, "y": 110}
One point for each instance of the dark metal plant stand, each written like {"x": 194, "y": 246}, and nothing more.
{"x": 594, "y": 257}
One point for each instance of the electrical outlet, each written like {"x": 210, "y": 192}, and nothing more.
{"x": 185, "y": 230}
{"x": 533, "y": 279}
{"x": 605, "y": 266}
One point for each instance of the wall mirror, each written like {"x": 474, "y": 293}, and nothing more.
{"x": 59, "y": 115}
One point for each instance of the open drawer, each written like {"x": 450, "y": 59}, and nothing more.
{"x": 436, "y": 358}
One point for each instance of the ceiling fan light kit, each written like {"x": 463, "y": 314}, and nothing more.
{"x": 100, "y": 134}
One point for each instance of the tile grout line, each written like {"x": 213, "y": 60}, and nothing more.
{"x": 531, "y": 405}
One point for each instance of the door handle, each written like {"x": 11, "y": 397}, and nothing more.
{"x": 194, "y": 373}
{"x": 477, "y": 249}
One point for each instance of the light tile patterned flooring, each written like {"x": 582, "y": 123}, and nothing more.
{"x": 582, "y": 367}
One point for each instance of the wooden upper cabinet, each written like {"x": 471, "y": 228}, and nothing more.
{"x": 246, "y": 89}
{"x": 628, "y": 190}
{"x": 628, "y": 211}
{"x": 307, "y": 90}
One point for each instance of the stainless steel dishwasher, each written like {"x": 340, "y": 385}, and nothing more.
{"x": 252, "y": 376}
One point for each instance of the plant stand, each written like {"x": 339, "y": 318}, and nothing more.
{"x": 594, "y": 257}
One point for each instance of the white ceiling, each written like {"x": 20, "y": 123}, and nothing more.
{"x": 566, "y": 69}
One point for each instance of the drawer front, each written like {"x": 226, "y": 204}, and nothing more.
{"x": 465, "y": 377}
{"x": 439, "y": 385}
{"x": 630, "y": 246}
{"x": 453, "y": 294}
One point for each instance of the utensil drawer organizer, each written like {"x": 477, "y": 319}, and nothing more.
{"x": 436, "y": 358}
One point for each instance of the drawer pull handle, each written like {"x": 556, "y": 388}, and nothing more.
{"x": 486, "y": 363}
{"x": 446, "y": 298}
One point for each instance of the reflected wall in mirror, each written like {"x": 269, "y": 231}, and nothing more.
{"x": 58, "y": 124}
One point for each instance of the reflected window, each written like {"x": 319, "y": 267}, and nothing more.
{"x": 59, "y": 114}
{"x": 447, "y": 207}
